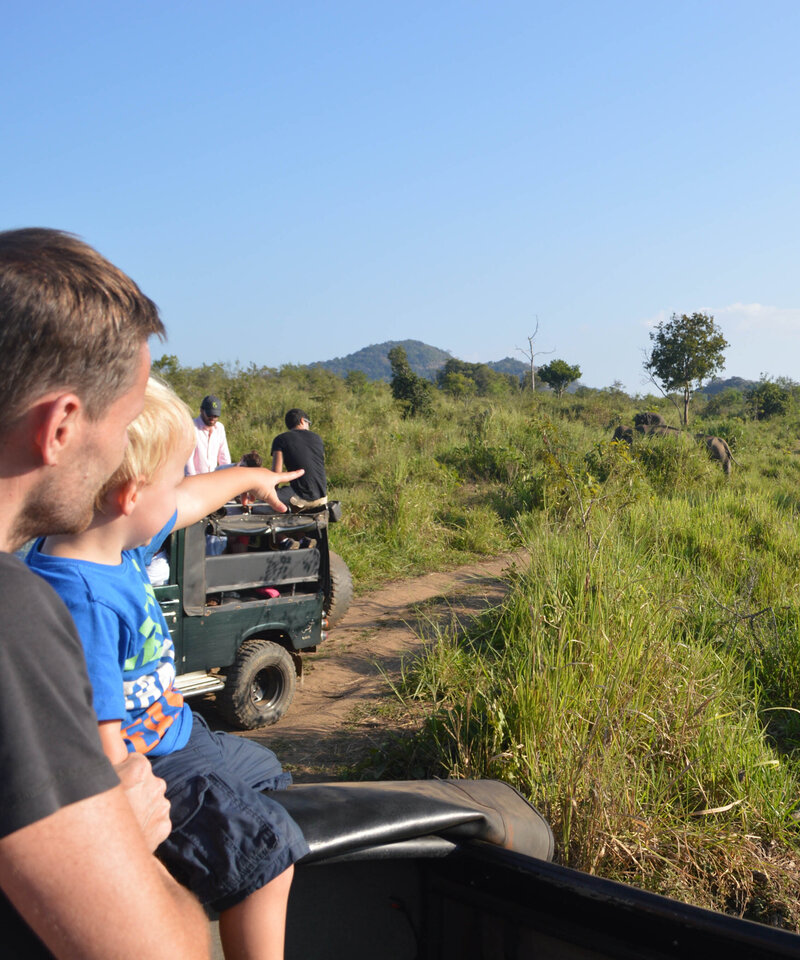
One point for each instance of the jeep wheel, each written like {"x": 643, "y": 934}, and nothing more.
{"x": 338, "y": 603}
{"x": 259, "y": 685}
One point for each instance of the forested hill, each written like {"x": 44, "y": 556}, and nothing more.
{"x": 424, "y": 360}
{"x": 732, "y": 383}
{"x": 510, "y": 365}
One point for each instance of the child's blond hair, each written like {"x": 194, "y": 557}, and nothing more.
{"x": 163, "y": 426}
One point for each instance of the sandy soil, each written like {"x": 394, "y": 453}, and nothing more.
{"x": 344, "y": 707}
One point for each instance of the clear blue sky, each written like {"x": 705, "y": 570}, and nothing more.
{"x": 294, "y": 181}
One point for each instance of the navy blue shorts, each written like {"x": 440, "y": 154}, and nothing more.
{"x": 228, "y": 838}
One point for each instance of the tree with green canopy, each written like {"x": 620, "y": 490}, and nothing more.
{"x": 457, "y": 385}
{"x": 686, "y": 351}
{"x": 558, "y": 375}
{"x": 414, "y": 392}
{"x": 356, "y": 381}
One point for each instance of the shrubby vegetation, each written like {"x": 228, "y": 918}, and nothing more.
{"x": 461, "y": 379}
{"x": 770, "y": 398}
{"x": 641, "y": 682}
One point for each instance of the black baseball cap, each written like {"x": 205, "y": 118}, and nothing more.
{"x": 211, "y": 406}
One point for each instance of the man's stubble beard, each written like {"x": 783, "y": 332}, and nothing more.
{"x": 55, "y": 506}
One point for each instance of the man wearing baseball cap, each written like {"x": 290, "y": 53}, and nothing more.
{"x": 211, "y": 450}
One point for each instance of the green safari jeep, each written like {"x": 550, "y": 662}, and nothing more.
{"x": 240, "y": 619}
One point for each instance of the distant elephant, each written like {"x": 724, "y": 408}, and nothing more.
{"x": 657, "y": 429}
{"x": 718, "y": 449}
{"x": 649, "y": 419}
{"x": 623, "y": 433}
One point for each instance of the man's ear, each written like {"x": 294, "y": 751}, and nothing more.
{"x": 59, "y": 426}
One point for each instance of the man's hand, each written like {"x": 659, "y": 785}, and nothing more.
{"x": 265, "y": 483}
{"x": 145, "y": 793}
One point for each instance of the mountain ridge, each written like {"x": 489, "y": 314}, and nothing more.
{"x": 426, "y": 360}
{"x": 423, "y": 359}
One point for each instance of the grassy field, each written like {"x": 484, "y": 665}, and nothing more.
{"x": 641, "y": 682}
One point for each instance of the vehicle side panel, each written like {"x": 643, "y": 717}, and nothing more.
{"x": 212, "y": 640}
{"x": 484, "y": 903}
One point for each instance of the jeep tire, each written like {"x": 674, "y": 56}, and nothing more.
{"x": 259, "y": 685}
{"x": 341, "y": 596}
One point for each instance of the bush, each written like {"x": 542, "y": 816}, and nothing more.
{"x": 768, "y": 399}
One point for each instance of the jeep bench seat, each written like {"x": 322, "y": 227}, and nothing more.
{"x": 269, "y": 568}
{"x": 255, "y": 524}
{"x": 204, "y": 575}
{"x": 241, "y": 571}
{"x": 367, "y": 820}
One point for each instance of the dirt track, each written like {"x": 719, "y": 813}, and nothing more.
{"x": 344, "y": 707}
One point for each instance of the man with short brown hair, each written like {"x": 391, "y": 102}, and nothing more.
{"x": 76, "y": 835}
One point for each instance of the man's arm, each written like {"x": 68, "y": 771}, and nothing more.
{"x": 277, "y": 461}
{"x": 144, "y": 791}
{"x": 200, "y": 495}
{"x": 224, "y": 455}
{"x": 85, "y": 882}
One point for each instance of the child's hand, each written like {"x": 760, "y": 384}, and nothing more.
{"x": 199, "y": 495}
{"x": 265, "y": 483}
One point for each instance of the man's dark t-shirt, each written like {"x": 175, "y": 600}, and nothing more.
{"x": 303, "y": 450}
{"x": 49, "y": 744}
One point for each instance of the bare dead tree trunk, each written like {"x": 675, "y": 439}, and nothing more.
{"x": 529, "y": 354}
{"x": 533, "y": 369}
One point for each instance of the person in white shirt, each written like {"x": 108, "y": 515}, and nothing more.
{"x": 211, "y": 450}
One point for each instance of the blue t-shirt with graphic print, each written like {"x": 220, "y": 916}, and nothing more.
{"x": 128, "y": 647}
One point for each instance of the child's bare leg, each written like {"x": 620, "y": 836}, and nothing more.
{"x": 255, "y": 929}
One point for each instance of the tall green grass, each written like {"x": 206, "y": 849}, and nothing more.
{"x": 641, "y": 681}
{"x": 601, "y": 692}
